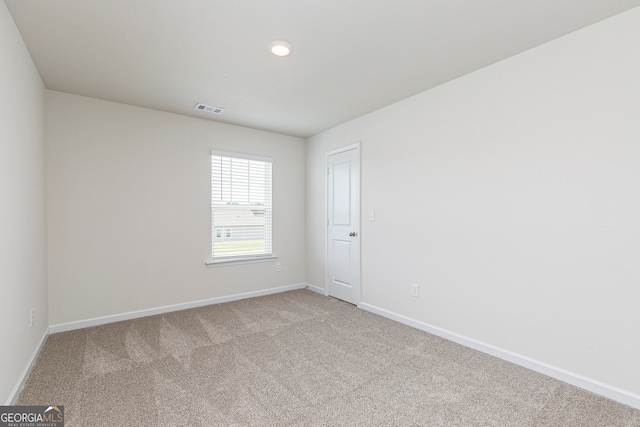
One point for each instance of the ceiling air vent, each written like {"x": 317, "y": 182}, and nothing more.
{"x": 209, "y": 108}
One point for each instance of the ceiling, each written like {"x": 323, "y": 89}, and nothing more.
{"x": 350, "y": 57}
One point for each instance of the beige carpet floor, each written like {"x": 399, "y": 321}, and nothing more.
{"x": 296, "y": 358}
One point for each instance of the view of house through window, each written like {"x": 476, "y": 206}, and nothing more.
{"x": 240, "y": 206}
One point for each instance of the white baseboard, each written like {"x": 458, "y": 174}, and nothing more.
{"x": 594, "y": 386}
{"x": 62, "y": 327}
{"x": 317, "y": 289}
{"x": 25, "y": 373}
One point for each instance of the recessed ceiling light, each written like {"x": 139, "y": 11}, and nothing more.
{"x": 280, "y": 48}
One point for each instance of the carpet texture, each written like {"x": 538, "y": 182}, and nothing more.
{"x": 295, "y": 358}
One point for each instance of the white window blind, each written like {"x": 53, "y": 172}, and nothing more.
{"x": 240, "y": 206}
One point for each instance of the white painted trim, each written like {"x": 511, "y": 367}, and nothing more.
{"x": 238, "y": 261}
{"x": 63, "y": 327}
{"x": 27, "y": 370}
{"x": 354, "y": 146}
{"x": 317, "y": 289}
{"x": 589, "y": 384}
{"x": 245, "y": 156}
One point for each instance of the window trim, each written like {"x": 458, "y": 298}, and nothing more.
{"x": 241, "y": 155}
{"x": 248, "y": 259}
{"x": 238, "y": 261}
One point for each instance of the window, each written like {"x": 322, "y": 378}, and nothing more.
{"x": 240, "y": 201}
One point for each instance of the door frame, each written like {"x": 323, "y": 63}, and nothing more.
{"x": 355, "y": 146}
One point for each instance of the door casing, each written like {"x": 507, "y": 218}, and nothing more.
{"x": 356, "y": 226}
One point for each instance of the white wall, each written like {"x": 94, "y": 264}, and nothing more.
{"x": 23, "y": 283}
{"x": 128, "y": 208}
{"x": 512, "y": 196}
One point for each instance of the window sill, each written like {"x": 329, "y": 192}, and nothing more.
{"x": 239, "y": 261}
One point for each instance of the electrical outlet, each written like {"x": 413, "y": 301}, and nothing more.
{"x": 31, "y": 317}
{"x": 372, "y": 215}
{"x": 415, "y": 291}
{"x": 278, "y": 266}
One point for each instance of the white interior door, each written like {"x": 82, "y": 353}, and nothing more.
{"x": 343, "y": 224}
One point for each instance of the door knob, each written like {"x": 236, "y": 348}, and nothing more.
{"x": 353, "y": 234}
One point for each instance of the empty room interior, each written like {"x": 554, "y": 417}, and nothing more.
{"x": 433, "y": 188}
